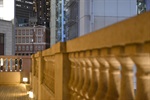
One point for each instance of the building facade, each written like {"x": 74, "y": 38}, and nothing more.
{"x": 23, "y": 10}
{"x": 6, "y": 38}
{"x": 29, "y": 40}
{"x": 84, "y": 16}
{"x": 41, "y": 10}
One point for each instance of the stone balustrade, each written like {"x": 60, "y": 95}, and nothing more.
{"x": 10, "y": 64}
{"x": 98, "y": 66}
{"x": 14, "y": 68}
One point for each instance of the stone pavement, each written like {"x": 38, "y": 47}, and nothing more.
{"x": 13, "y": 92}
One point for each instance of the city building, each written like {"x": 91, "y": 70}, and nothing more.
{"x": 7, "y": 37}
{"x": 29, "y": 40}
{"x": 84, "y": 16}
{"x": 41, "y": 10}
{"x": 23, "y": 11}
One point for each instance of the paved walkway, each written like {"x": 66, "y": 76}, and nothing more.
{"x": 13, "y": 92}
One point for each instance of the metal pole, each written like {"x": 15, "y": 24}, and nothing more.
{"x": 62, "y": 21}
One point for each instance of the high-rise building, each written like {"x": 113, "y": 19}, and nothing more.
{"x": 23, "y": 10}
{"x": 84, "y": 16}
{"x": 41, "y": 10}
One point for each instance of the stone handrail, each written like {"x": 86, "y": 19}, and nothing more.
{"x": 11, "y": 63}
{"x": 97, "y": 66}
{"x": 14, "y": 68}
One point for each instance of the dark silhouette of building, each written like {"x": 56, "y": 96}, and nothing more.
{"x": 23, "y": 10}
{"x": 41, "y": 10}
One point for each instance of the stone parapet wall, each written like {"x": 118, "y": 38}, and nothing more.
{"x": 97, "y": 66}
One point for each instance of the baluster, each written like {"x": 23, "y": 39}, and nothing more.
{"x": 72, "y": 76}
{"x": 87, "y": 79}
{"x": 127, "y": 90}
{"x": 114, "y": 79}
{"x": 82, "y": 78}
{"x": 6, "y": 65}
{"x": 76, "y": 78}
{"x": 20, "y": 64}
{"x": 16, "y": 64}
{"x": 95, "y": 79}
{"x": 10, "y": 64}
{"x": 78, "y": 70}
{"x": 103, "y": 79}
{"x": 2, "y": 63}
{"x": 142, "y": 62}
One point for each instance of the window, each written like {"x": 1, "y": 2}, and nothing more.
{"x": 39, "y": 39}
{"x": 27, "y": 48}
{"x": 27, "y": 32}
{"x": 23, "y": 40}
{"x": 16, "y": 48}
{"x": 39, "y": 31}
{"x": 39, "y": 47}
{"x": 19, "y": 48}
{"x": 31, "y": 47}
{"x": 19, "y": 32}
{"x": 23, "y": 32}
{"x": 23, "y": 47}
{"x": 27, "y": 40}
{"x": 19, "y": 40}
{"x": 16, "y": 40}
{"x": 31, "y": 32}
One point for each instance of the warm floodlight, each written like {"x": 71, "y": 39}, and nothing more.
{"x": 30, "y": 94}
{"x": 25, "y": 79}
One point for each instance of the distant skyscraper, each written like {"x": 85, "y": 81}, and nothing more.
{"x": 23, "y": 11}
{"x": 41, "y": 9}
